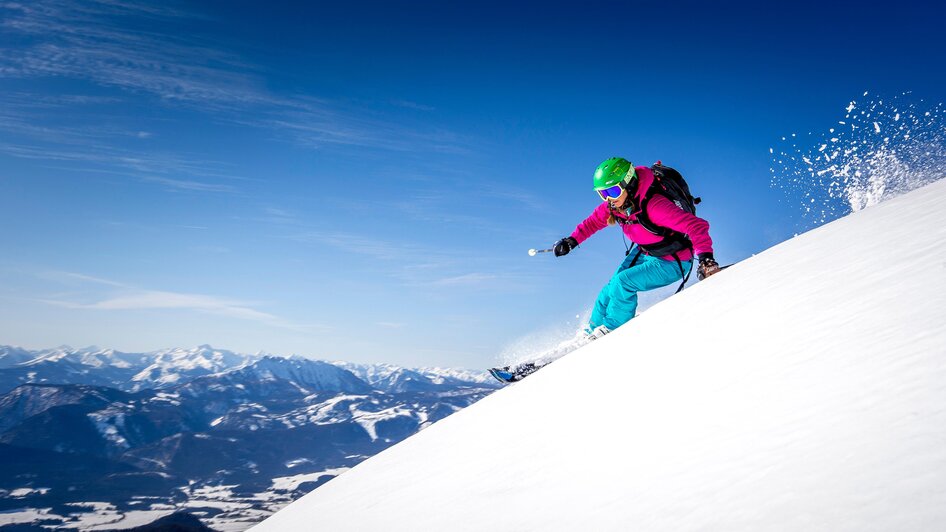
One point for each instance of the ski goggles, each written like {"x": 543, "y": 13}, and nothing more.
{"x": 615, "y": 191}
{"x": 610, "y": 192}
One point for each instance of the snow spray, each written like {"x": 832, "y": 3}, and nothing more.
{"x": 880, "y": 149}
{"x": 534, "y": 346}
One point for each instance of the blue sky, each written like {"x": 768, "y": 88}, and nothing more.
{"x": 362, "y": 181}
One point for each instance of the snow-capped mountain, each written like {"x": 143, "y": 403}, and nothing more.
{"x": 233, "y": 437}
{"x": 453, "y": 375}
{"x": 27, "y": 401}
{"x": 164, "y": 368}
{"x": 11, "y": 356}
{"x": 802, "y": 389}
{"x": 315, "y": 375}
{"x": 107, "y": 367}
{"x": 176, "y": 365}
{"x": 395, "y": 379}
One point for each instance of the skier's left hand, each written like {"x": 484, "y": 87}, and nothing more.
{"x": 563, "y": 246}
{"x": 708, "y": 266}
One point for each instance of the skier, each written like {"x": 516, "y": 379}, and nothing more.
{"x": 655, "y": 211}
{"x": 667, "y": 238}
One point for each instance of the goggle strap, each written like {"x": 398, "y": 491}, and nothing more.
{"x": 629, "y": 177}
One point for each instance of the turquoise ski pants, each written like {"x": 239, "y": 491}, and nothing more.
{"x": 617, "y": 302}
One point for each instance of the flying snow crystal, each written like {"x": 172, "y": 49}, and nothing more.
{"x": 864, "y": 166}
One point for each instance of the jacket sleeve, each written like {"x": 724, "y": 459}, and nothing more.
{"x": 665, "y": 213}
{"x": 592, "y": 224}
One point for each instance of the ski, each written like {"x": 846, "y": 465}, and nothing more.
{"x": 517, "y": 372}
{"x": 509, "y": 374}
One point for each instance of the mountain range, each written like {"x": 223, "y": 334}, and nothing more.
{"x": 92, "y": 438}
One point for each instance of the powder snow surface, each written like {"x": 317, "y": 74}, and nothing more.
{"x": 802, "y": 389}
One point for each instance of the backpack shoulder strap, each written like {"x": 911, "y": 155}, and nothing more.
{"x": 644, "y": 219}
{"x": 671, "y": 242}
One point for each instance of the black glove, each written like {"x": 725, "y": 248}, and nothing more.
{"x": 563, "y": 246}
{"x": 708, "y": 266}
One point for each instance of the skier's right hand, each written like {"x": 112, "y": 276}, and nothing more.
{"x": 708, "y": 266}
{"x": 563, "y": 246}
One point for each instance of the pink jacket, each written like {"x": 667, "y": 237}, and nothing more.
{"x": 661, "y": 211}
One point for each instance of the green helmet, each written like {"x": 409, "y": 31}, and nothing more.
{"x": 614, "y": 171}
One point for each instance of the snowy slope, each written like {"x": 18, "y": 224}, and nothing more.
{"x": 808, "y": 393}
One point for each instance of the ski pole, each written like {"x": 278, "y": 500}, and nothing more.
{"x": 534, "y": 252}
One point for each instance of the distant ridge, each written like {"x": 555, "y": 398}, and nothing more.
{"x": 168, "y": 367}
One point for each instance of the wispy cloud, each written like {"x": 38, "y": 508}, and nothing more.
{"x": 105, "y": 42}
{"x": 189, "y": 185}
{"x": 146, "y": 299}
{"x": 279, "y": 216}
{"x": 419, "y": 266}
{"x": 376, "y": 248}
{"x": 413, "y": 105}
{"x": 123, "y": 296}
{"x": 317, "y": 127}
{"x": 85, "y": 278}
{"x": 204, "y": 176}
{"x": 467, "y": 279}
{"x": 92, "y": 40}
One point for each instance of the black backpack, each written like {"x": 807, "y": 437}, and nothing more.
{"x": 671, "y": 185}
